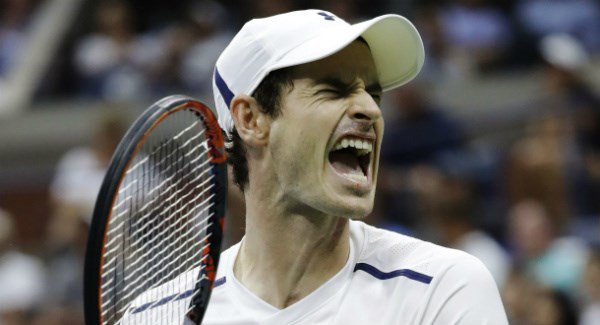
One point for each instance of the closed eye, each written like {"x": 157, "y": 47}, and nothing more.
{"x": 337, "y": 93}
{"x": 329, "y": 92}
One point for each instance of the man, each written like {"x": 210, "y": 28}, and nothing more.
{"x": 297, "y": 95}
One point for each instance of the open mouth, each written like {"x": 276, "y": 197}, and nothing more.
{"x": 351, "y": 158}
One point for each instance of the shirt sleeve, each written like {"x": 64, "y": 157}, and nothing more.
{"x": 464, "y": 293}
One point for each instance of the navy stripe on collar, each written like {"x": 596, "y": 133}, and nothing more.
{"x": 219, "y": 282}
{"x": 226, "y": 93}
{"x": 413, "y": 275}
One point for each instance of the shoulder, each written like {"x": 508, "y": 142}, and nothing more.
{"x": 464, "y": 292}
{"x": 459, "y": 288}
{"x": 457, "y": 271}
{"x": 392, "y": 250}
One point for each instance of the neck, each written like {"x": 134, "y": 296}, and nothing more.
{"x": 287, "y": 254}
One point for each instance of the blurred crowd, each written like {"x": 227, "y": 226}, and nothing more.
{"x": 528, "y": 205}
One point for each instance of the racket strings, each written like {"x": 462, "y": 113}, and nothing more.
{"x": 172, "y": 245}
{"x": 173, "y": 297}
{"x": 120, "y": 221}
{"x": 172, "y": 272}
{"x": 156, "y": 268}
{"x": 158, "y": 150}
{"x": 159, "y": 225}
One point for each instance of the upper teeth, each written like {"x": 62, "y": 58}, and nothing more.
{"x": 364, "y": 147}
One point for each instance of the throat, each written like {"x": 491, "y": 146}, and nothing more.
{"x": 286, "y": 273}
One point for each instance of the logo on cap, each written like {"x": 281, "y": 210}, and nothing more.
{"x": 326, "y": 15}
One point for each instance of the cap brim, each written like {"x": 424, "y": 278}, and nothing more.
{"x": 396, "y": 47}
{"x": 395, "y": 44}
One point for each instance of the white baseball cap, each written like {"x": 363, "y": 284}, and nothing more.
{"x": 267, "y": 44}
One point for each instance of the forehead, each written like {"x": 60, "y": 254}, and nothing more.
{"x": 353, "y": 61}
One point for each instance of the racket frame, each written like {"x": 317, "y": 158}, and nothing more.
{"x": 121, "y": 160}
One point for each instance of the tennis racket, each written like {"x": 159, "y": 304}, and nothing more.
{"x": 155, "y": 237}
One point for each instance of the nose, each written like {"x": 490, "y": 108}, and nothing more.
{"x": 364, "y": 108}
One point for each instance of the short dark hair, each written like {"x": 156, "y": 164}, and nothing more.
{"x": 268, "y": 95}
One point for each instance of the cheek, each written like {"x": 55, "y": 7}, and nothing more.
{"x": 299, "y": 137}
{"x": 297, "y": 149}
{"x": 290, "y": 148}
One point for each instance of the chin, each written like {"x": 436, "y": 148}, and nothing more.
{"x": 360, "y": 212}
{"x": 350, "y": 207}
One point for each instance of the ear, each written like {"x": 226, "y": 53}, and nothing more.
{"x": 251, "y": 123}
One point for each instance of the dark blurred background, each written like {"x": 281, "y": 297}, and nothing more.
{"x": 494, "y": 149}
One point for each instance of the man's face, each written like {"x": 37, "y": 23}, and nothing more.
{"x": 325, "y": 144}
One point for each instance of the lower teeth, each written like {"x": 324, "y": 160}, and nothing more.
{"x": 357, "y": 177}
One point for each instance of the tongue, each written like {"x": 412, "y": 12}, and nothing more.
{"x": 345, "y": 162}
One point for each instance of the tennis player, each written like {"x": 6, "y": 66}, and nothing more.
{"x": 298, "y": 97}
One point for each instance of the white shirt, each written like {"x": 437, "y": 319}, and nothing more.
{"x": 388, "y": 279}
